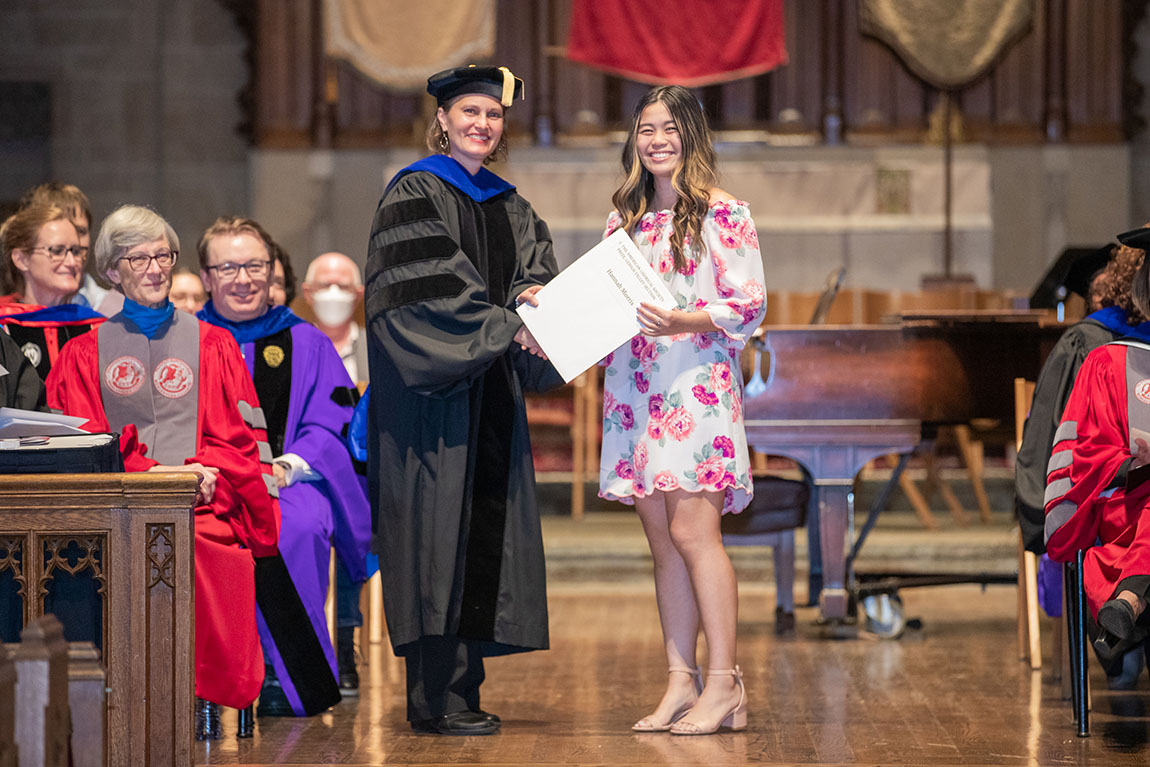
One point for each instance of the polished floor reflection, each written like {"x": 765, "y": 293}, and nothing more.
{"x": 950, "y": 693}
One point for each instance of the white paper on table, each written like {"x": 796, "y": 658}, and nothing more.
{"x": 31, "y": 423}
{"x": 589, "y": 309}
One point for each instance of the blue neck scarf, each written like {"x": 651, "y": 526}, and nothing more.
{"x": 481, "y": 187}
{"x": 275, "y": 319}
{"x": 64, "y": 314}
{"x": 148, "y": 320}
{"x": 1114, "y": 318}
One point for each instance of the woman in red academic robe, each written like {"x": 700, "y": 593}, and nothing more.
{"x": 1097, "y": 496}
{"x": 178, "y": 392}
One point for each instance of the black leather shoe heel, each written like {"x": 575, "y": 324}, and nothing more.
{"x": 459, "y": 723}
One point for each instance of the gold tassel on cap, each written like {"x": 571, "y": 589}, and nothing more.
{"x": 508, "y": 87}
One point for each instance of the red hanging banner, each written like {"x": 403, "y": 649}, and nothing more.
{"x": 690, "y": 42}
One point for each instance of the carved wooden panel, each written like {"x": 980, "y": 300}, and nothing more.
{"x": 133, "y": 533}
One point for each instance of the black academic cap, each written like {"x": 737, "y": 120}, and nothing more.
{"x": 1136, "y": 238}
{"x": 1074, "y": 270}
{"x": 496, "y": 82}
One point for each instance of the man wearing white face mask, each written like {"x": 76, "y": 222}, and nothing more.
{"x": 333, "y": 288}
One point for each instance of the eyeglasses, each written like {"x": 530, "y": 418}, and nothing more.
{"x": 57, "y": 253}
{"x": 139, "y": 262}
{"x": 227, "y": 271}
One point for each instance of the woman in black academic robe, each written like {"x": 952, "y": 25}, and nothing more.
{"x": 453, "y": 249}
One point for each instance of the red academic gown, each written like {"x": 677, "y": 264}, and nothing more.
{"x": 1092, "y": 494}
{"x": 229, "y": 660}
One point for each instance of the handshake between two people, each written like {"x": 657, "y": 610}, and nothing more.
{"x": 523, "y": 337}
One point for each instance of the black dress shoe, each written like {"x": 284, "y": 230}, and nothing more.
{"x": 273, "y": 699}
{"x": 245, "y": 723}
{"x": 489, "y": 716}
{"x": 345, "y": 661}
{"x": 459, "y": 723}
{"x": 1117, "y": 630}
{"x": 784, "y": 623}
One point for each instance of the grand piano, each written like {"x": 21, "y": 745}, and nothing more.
{"x": 833, "y": 397}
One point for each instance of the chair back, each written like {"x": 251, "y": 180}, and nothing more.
{"x": 1023, "y": 397}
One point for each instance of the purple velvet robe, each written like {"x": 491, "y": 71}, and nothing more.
{"x": 315, "y": 515}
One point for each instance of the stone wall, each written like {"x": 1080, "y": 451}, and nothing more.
{"x": 143, "y": 103}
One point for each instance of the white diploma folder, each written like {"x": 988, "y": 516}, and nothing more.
{"x": 589, "y": 309}
{"x": 30, "y": 423}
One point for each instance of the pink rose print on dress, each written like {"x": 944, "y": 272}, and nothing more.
{"x": 729, "y": 240}
{"x": 608, "y": 403}
{"x": 665, "y": 481}
{"x": 689, "y": 267}
{"x": 640, "y": 458}
{"x": 627, "y": 417}
{"x": 649, "y": 354}
{"x": 623, "y": 470}
{"x": 703, "y": 341}
{"x": 723, "y": 217}
{"x": 704, "y": 396}
{"x": 656, "y": 427}
{"x": 720, "y": 377}
{"x": 661, "y": 218}
{"x": 637, "y": 345}
{"x": 666, "y": 262}
{"x": 641, "y": 382}
{"x": 750, "y": 236}
{"x": 724, "y": 445}
{"x": 754, "y": 291}
{"x": 709, "y": 471}
{"x": 655, "y": 406}
{"x": 727, "y": 480}
{"x": 680, "y": 423}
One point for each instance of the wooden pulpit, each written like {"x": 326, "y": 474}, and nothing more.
{"x": 134, "y": 534}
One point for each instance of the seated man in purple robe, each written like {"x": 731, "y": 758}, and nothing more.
{"x": 307, "y": 400}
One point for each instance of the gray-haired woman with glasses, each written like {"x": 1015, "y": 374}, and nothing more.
{"x": 43, "y": 266}
{"x": 177, "y": 391}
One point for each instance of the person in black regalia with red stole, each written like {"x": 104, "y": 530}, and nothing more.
{"x": 453, "y": 248}
{"x": 43, "y": 263}
{"x": 179, "y": 394}
{"x": 1097, "y": 493}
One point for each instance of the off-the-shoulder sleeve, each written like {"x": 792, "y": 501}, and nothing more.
{"x": 426, "y": 304}
{"x": 733, "y": 247}
{"x": 1091, "y": 455}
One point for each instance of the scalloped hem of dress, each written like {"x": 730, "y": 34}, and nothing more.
{"x": 629, "y": 498}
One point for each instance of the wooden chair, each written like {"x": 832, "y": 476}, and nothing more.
{"x": 1029, "y": 646}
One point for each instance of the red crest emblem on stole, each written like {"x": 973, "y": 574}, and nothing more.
{"x": 1142, "y": 391}
{"x": 173, "y": 378}
{"x": 124, "y": 375}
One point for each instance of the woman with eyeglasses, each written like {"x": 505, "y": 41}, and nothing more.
{"x": 178, "y": 393}
{"x": 43, "y": 267}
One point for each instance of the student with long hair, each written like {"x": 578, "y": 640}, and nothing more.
{"x": 673, "y": 437}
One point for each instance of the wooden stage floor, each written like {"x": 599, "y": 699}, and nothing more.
{"x": 952, "y": 693}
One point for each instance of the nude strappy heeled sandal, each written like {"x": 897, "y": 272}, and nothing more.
{"x": 735, "y": 719}
{"x": 646, "y": 725}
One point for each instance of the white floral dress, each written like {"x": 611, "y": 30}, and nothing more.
{"x": 672, "y": 405}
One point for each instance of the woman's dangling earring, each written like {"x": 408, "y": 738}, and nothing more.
{"x": 444, "y": 144}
